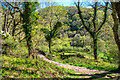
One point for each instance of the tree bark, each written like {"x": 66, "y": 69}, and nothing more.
{"x": 3, "y": 29}
{"x": 119, "y": 60}
{"x": 50, "y": 46}
{"x": 116, "y": 37}
{"x": 27, "y": 26}
{"x": 29, "y": 48}
{"x": 95, "y": 48}
{"x": 29, "y": 42}
{"x": 115, "y": 29}
{"x": 14, "y": 22}
{"x": 117, "y": 9}
{"x": 118, "y": 12}
{"x": 5, "y": 21}
{"x": 14, "y": 26}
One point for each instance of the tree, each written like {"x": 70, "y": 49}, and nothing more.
{"x": 7, "y": 19}
{"x": 52, "y": 33}
{"x": 116, "y": 19}
{"x": 12, "y": 19}
{"x": 92, "y": 27}
{"x": 28, "y": 19}
{"x": 52, "y": 14}
{"x": 1, "y": 16}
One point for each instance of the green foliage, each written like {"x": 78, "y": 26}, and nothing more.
{"x": 11, "y": 42}
{"x": 29, "y": 18}
{"x": 69, "y": 49}
{"x": 71, "y": 38}
{"x": 59, "y": 44}
{"x": 71, "y": 20}
{"x": 26, "y": 68}
{"x": 88, "y": 63}
{"x": 16, "y": 65}
{"x": 53, "y": 33}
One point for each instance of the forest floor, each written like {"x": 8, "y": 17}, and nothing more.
{"x": 81, "y": 71}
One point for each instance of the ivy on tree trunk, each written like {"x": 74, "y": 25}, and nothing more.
{"x": 28, "y": 9}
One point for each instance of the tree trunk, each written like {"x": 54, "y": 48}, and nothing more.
{"x": 50, "y": 46}
{"x": 115, "y": 29}
{"x": 116, "y": 37}
{"x": 29, "y": 42}
{"x": 118, "y": 43}
{"x": 14, "y": 26}
{"x": 119, "y": 60}
{"x": 27, "y": 25}
{"x": 95, "y": 48}
{"x": 29, "y": 48}
{"x": 3, "y": 29}
{"x": 117, "y": 9}
{"x": 5, "y": 22}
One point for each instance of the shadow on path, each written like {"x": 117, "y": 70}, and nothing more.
{"x": 103, "y": 76}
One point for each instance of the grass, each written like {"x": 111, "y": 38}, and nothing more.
{"x": 27, "y": 68}
{"x": 16, "y": 65}
{"x": 87, "y": 62}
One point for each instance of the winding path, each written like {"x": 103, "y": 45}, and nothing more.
{"x": 82, "y": 70}
{"x": 75, "y": 68}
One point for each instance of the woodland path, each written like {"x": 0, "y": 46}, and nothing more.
{"x": 81, "y": 70}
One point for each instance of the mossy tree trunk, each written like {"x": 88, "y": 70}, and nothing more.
{"x": 27, "y": 26}
{"x": 27, "y": 18}
{"x": 116, "y": 18}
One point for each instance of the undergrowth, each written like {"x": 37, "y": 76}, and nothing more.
{"x": 31, "y": 68}
{"x": 87, "y": 63}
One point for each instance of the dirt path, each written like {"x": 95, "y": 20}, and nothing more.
{"x": 80, "y": 70}
{"x": 75, "y": 68}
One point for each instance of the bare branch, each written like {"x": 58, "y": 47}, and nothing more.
{"x": 75, "y": 4}
{"x": 81, "y": 17}
{"x": 105, "y": 16}
{"x": 104, "y": 7}
{"x": 94, "y": 18}
{"x": 15, "y": 7}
